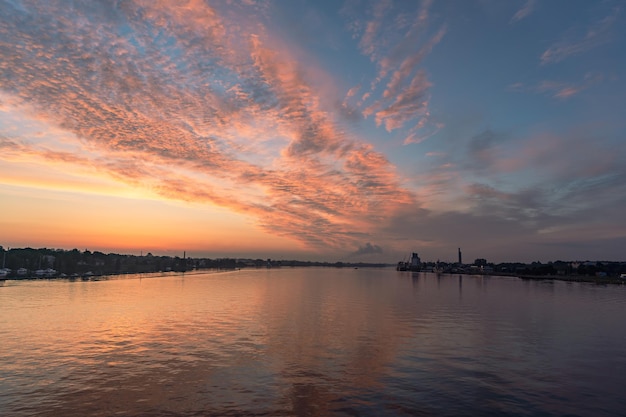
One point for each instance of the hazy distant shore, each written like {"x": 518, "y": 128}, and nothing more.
{"x": 575, "y": 278}
{"x": 156, "y": 274}
{"x": 45, "y": 263}
{"x": 570, "y": 278}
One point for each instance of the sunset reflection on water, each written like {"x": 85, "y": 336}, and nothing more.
{"x": 310, "y": 342}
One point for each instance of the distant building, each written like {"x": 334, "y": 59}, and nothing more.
{"x": 460, "y": 257}
{"x": 416, "y": 262}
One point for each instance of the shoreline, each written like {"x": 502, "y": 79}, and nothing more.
{"x": 102, "y": 277}
{"x": 576, "y": 278}
{"x": 156, "y": 274}
{"x": 567, "y": 278}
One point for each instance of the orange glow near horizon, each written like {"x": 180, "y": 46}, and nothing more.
{"x": 66, "y": 219}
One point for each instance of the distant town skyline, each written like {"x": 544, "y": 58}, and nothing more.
{"x": 357, "y": 131}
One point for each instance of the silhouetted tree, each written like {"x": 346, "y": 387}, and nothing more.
{"x": 480, "y": 262}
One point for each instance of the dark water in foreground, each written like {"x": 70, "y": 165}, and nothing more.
{"x": 315, "y": 342}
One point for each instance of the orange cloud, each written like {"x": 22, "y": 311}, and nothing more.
{"x": 190, "y": 105}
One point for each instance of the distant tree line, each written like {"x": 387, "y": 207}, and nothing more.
{"x": 44, "y": 262}
{"x": 587, "y": 268}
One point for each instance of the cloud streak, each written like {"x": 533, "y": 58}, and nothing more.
{"x": 525, "y": 11}
{"x": 596, "y": 34}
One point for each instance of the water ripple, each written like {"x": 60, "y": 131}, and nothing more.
{"x": 315, "y": 342}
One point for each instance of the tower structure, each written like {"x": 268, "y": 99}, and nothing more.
{"x": 416, "y": 262}
{"x": 460, "y": 258}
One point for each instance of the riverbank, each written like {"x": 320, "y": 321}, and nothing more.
{"x": 102, "y": 277}
{"x": 573, "y": 278}
{"x": 569, "y": 278}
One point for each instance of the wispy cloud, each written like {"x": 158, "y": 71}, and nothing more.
{"x": 525, "y": 11}
{"x": 369, "y": 42}
{"x": 596, "y": 34}
{"x": 559, "y": 89}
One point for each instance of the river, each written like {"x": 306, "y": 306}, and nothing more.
{"x": 311, "y": 342}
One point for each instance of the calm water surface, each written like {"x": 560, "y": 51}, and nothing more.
{"x": 297, "y": 342}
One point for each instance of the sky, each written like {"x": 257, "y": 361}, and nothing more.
{"x": 317, "y": 130}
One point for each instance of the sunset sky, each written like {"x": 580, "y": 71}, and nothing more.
{"x": 323, "y": 130}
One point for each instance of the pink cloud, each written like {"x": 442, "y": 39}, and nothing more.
{"x": 525, "y": 11}
{"x": 409, "y": 65}
{"x": 353, "y": 91}
{"x": 411, "y": 102}
{"x": 148, "y": 114}
{"x": 565, "y": 91}
{"x": 370, "y": 42}
{"x": 417, "y": 133}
